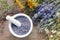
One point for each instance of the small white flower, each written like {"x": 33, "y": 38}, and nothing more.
{"x": 53, "y": 31}
{"x": 51, "y": 36}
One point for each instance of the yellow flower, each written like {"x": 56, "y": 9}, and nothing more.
{"x": 19, "y": 4}
{"x": 32, "y": 4}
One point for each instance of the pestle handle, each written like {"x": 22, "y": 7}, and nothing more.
{"x": 14, "y": 21}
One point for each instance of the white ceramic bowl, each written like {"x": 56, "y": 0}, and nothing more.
{"x": 21, "y": 36}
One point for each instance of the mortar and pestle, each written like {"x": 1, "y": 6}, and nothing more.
{"x": 20, "y": 25}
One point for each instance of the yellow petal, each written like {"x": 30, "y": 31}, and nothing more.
{"x": 19, "y": 4}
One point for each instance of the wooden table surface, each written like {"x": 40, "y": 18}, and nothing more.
{"x": 6, "y": 35}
